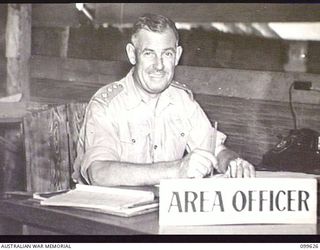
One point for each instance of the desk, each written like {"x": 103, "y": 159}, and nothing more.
{"x": 65, "y": 220}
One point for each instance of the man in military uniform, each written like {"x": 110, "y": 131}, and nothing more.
{"x": 136, "y": 130}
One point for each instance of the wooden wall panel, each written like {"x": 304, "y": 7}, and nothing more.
{"x": 46, "y": 146}
{"x": 78, "y": 70}
{"x": 252, "y": 126}
{"x": 3, "y": 20}
{"x": 54, "y": 15}
{"x": 56, "y": 91}
{"x": 247, "y": 84}
{"x": 18, "y": 49}
{"x": 12, "y": 167}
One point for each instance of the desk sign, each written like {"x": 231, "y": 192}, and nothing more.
{"x": 238, "y": 201}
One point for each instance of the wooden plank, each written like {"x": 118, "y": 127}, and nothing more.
{"x": 71, "y": 69}
{"x": 12, "y": 111}
{"x": 77, "y": 221}
{"x": 245, "y": 84}
{"x": 18, "y": 49}
{"x": 12, "y": 161}
{"x": 252, "y": 126}
{"x": 54, "y": 15}
{"x": 75, "y": 114}
{"x": 46, "y": 146}
{"x": 61, "y": 91}
{"x": 64, "y": 42}
{"x": 10, "y": 227}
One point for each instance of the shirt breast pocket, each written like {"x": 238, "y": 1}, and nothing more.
{"x": 135, "y": 143}
{"x": 180, "y": 131}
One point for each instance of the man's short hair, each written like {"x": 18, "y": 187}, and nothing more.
{"x": 155, "y": 23}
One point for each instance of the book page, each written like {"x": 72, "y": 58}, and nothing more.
{"x": 100, "y": 198}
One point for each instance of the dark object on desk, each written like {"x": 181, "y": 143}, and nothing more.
{"x": 299, "y": 151}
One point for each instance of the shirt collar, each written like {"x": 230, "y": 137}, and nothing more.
{"x": 134, "y": 97}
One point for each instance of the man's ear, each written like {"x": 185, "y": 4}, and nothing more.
{"x": 131, "y": 53}
{"x": 178, "y": 54}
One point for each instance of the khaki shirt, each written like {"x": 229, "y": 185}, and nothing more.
{"x": 120, "y": 126}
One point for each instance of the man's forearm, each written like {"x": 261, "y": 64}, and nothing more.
{"x": 112, "y": 173}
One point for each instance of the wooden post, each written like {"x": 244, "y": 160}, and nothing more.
{"x": 18, "y": 50}
{"x": 47, "y": 150}
{"x": 64, "y": 42}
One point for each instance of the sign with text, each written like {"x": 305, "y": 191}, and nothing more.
{"x": 238, "y": 201}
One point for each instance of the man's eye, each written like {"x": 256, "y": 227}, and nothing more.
{"x": 168, "y": 54}
{"x": 147, "y": 53}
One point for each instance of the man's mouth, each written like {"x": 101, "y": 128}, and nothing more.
{"x": 157, "y": 75}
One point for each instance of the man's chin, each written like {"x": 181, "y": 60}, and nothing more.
{"x": 157, "y": 90}
{"x": 158, "y": 86}
{"x": 159, "y": 80}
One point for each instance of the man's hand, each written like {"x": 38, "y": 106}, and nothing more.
{"x": 232, "y": 166}
{"x": 239, "y": 168}
{"x": 197, "y": 164}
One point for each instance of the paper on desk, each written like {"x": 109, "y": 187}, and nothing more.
{"x": 101, "y": 198}
{"x": 276, "y": 174}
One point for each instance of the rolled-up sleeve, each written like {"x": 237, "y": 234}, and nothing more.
{"x": 100, "y": 137}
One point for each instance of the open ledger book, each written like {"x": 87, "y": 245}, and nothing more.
{"x": 117, "y": 201}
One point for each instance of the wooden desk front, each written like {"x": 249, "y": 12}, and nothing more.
{"x": 75, "y": 221}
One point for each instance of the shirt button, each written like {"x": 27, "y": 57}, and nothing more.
{"x": 182, "y": 134}
{"x": 133, "y": 140}
{"x": 155, "y": 146}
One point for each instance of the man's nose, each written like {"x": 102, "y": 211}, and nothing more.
{"x": 158, "y": 63}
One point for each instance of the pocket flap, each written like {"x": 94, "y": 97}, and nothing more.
{"x": 181, "y": 127}
{"x": 134, "y": 132}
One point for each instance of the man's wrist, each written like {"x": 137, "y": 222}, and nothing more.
{"x": 175, "y": 171}
{"x": 172, "y": 170}
{"x": 224, "y": 157}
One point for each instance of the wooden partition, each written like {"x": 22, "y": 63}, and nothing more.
{"x": 46, "y": 146}
{"x": 252, "y": 126}
{"x": 50, "y": 146}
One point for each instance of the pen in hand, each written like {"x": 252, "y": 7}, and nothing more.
{"x": 213, "y": 141}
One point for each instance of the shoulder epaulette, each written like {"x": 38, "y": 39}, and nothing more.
{"x": 182, "y": 86}
{"x": 110, "y": 91}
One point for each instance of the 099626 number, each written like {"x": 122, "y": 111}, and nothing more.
{"x": 309, "y": 246}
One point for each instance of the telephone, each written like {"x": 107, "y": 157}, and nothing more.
{"x": 299, "y": 151}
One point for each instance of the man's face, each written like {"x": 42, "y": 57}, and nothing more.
{"x": 155, "y": 56}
